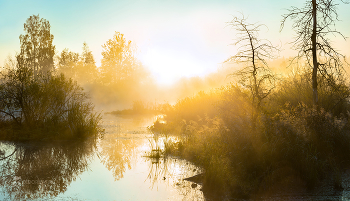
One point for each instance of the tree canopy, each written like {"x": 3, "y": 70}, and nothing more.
{"x": 118, "y": 63}
{"x": 37, "y": 50}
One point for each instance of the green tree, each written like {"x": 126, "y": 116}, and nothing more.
{"x": 118, "y": 63}
{"x": 87, "y": 70}
{"x": 37, "y": 50}
{"x": 49, "y": 102}
{"x": 67, "y": 60}
{"x": 39, "y": 103}
{"x": 81, "y": 68}
{"x": 87, "y": 56}
{"x": 313, "y": 23}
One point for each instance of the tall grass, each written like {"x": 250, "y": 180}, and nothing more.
{"x": 294, "y": 145}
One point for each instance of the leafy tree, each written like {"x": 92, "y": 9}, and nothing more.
{"x": 37, "y": 50}
{"x": 66, "y": 62}
{"x": 81, "y": 68}
{"x": 49, "y": 102}
{"x": 118, "y": 63}
{"x": 87, "y": 56}
{"x": 253, "y": 54}
{"x": 36, "y": 102}
{"x": 313, "y": 23}
{"x": 87, "y": 70}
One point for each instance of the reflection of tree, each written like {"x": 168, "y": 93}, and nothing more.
{"x": 117, "y": 153}
{"x": 37, "y": 170}
{"x": 158, "y": 170}
{"x": 173, "y": 172}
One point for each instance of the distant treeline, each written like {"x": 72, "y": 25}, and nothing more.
{"x": 141, "y": 108}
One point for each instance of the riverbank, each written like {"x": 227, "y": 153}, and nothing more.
{"x": 106, "y": 169}
{"x": 290, "y": 148}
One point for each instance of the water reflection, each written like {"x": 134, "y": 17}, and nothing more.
{"x": 117, "y": 153}
{"x": 118, "y": 148}
{"x": 113, "y": 168}
{"x": 37, "y": 170}
{"x": 126, "y": 145}
{"x": 172, "y": 172}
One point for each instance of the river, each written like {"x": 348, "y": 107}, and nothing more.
{"x": 111, "y": 168}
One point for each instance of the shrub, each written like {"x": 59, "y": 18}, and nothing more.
{"x": 314, "y": 143}
{"x": 47, "y": 106}
{"x": 333, "y": 93}
{"x": 294, "y": 147}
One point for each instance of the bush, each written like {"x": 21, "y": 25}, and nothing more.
{"x": 314, "y": 143}
{"x": 45, "y": 106}
{"x": 333, "y": 93}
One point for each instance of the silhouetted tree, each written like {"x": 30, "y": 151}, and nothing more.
{"x": 252, "y": 53}
{"x": 312, "y": 24}
{"x": 37, "y": 50}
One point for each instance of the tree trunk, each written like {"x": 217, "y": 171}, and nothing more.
{"x": 314, "y": 54}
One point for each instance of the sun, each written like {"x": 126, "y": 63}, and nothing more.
{"x": 169, "y": 65}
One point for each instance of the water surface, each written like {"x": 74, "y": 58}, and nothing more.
{"x": 113, "y": 168}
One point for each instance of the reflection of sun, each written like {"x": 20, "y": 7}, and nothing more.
{"x": 177, "y": 170}
{"x": 168, "y": 66}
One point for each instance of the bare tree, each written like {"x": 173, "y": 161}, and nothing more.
{"x": 312, "y": 24}
{"x": 253, "y": 53}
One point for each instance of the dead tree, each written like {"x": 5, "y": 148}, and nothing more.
{"x": 313, "y": 23}
{"x": 253, "y": 54}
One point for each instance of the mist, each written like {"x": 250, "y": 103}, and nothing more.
{"x": 261, "y": 123}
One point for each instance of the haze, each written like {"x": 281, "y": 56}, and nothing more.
{"x": 174, "y": 38}
{"x": 209, "y": 99}
{"x": 181, "y": 44}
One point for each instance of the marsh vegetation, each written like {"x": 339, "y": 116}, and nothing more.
{"x": 260, "y": 126}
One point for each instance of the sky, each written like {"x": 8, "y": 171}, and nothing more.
{"x": 174, "y": 38}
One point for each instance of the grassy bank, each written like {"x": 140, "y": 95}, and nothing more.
{"x": 292, "y": 145}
